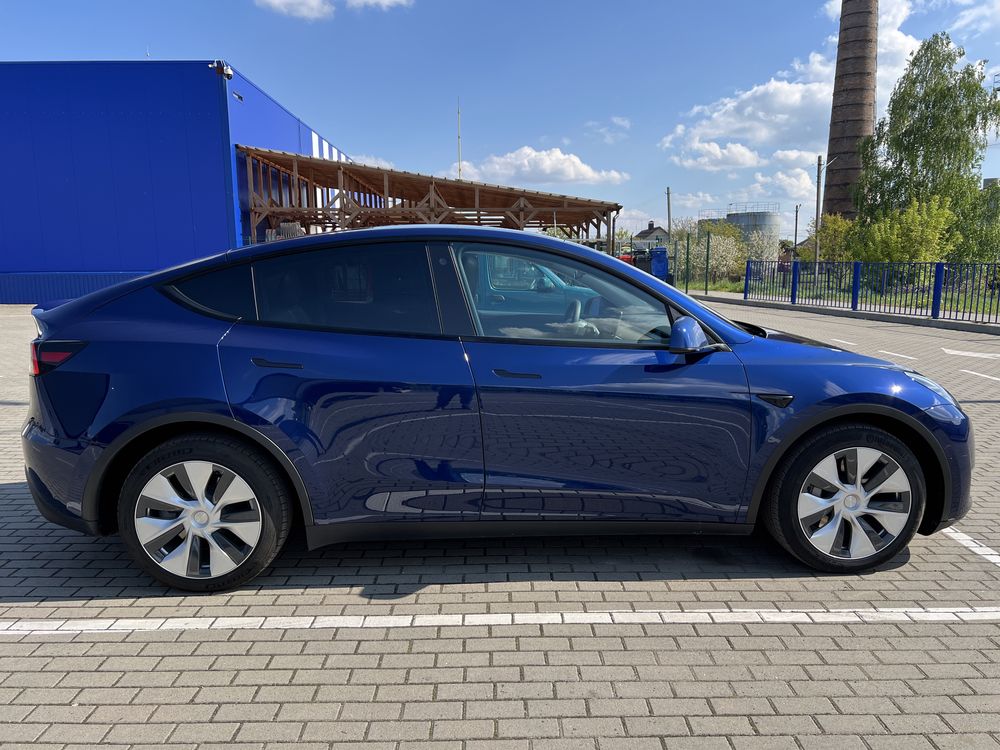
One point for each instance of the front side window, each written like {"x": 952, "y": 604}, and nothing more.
{"x": 531, "y": 295}
{"x": 378, "y": 288}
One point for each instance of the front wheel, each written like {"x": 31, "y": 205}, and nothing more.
{"x": 849, "y": 499}
{"x": 204, "y": 513}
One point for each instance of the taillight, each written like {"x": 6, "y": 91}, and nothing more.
{"x": 48, "y": 355}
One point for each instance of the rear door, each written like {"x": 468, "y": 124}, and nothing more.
{"x": 348, "y": 371}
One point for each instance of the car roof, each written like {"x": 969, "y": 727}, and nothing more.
{"x": 405, "y": 232}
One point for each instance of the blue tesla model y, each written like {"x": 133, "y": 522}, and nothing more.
{"x": 455, "y": 381}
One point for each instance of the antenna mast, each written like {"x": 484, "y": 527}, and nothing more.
{"x": 459, "y": 138}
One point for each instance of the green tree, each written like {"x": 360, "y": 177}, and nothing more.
{"x": 932, "y": 142}
{"x": 923, "y": 231}
{"x": 836, "y": 236}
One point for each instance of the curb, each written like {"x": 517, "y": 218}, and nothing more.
{"x": 950, "y": 325}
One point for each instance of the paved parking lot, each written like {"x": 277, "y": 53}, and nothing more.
{"x": 662, "y": 642}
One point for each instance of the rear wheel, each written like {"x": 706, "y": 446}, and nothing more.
{"x": 849, "y": 499}
{"x": 204, "y": 512}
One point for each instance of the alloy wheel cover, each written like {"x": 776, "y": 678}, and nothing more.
{"x": 198, "y": 519}
{"x": 854, "y": 503}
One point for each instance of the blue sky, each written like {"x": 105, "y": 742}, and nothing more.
{"x": 722, "y": 100}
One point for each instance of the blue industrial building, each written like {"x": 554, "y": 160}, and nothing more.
{"x": 114, "y": 169}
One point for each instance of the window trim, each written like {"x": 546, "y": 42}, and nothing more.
{"x": 582, "y": 343}
{"x": 164, "y": 288}
{"x": 170, "y": 290}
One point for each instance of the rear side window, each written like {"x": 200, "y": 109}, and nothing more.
{"x": 227, "y": 292}
{"x": 378, "y": 288}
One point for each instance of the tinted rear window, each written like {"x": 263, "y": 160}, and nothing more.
{"x": 228, "y": 291}
{"x": 384, "y": 288}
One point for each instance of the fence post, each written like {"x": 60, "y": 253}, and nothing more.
{"x": 795, "y": 281}
{"x": 708, "y": 255}
{"x": 746, "y": 280}
{"x": 938, "y": 289}
{"x": 855, "y": 284}
{"x": 687, "y": 264}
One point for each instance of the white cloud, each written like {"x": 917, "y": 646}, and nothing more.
{"x": 382, "y": 4}
{"x": 817, "y": 67}
{"x": 372, "y": 161}
{"x": 795, "y": 183}
{"x": 529, "y": 165}
{"x": 311, "y": 10}
{"x": 777, "y": 112}
{"x": 894, "y": 47}
{"x": 612, "y": 132}
{"x": 794, "y": 156}
{"x": 674, "y": 135}
{"x": 700, "y": 199}
{"x": 977, "y": 19}
{"x": 712, "y": 157}
{"x": 314, "y": 10}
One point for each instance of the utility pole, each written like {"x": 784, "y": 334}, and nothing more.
{"x": 819, "y": 184}
{"x": 669, "y": 221}
{"x": 459, "y": 138}
{"x": 795, "y": 242}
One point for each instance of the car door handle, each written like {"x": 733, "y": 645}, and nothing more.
{"x": 497, "y": 298}
{"x": 262, "y": 362}
{"x": 502, "y": 373}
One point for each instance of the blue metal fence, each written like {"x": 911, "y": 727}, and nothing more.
{"x": 953, "y": 291}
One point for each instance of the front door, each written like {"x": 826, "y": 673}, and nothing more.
{"x": 587, "y": 415}
{"x": 348, "y": 372}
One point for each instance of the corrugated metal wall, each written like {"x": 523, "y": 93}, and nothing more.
{"x": 118, "y": 168}
{"x": 32, "y": 288}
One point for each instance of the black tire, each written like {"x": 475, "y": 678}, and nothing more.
{"x": 780, "y": 510}
{"x": 256, "y": 469}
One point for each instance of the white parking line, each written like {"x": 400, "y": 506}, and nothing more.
{"x": 980, "y": 355}
{"x": 969, "y": 543}
{"x": 841, "y": 341}
{"x": 672, "y": 616}
{"x": 972, "y": 372}
{"x": 896, "y": 354}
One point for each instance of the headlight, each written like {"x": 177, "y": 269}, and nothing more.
{"x": 932, "y": 386}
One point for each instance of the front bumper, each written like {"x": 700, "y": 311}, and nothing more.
{"x": 952, "y": 429}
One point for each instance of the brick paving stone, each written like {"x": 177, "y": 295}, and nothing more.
{"x": 488, "y": 686}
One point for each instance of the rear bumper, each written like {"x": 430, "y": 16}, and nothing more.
{"x": 55, "y": 511}
{"x": 55, "y": 470}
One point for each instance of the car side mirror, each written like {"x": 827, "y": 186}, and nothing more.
{"x": 688, "y": 337}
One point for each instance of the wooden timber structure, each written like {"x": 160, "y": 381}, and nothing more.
{"x": 323, "y": 195}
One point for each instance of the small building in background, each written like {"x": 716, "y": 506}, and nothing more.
{"x": 650, "y": 237}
